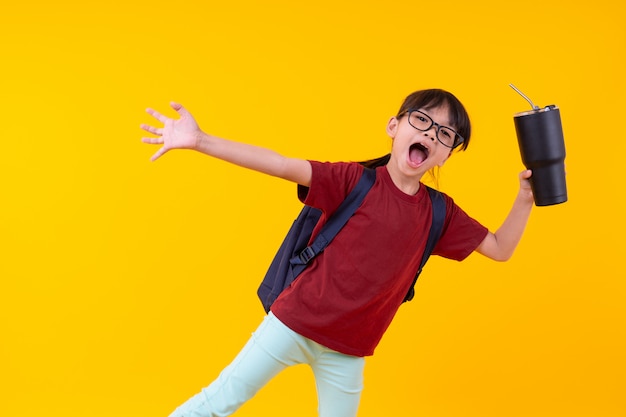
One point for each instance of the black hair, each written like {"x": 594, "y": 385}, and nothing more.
{"x": 376, "y": 162}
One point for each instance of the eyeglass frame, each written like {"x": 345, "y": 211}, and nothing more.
{"x": 433, "y": 123}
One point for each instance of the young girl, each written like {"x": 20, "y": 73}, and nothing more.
{"x": 337, "y": 310}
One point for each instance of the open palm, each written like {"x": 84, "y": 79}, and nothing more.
{"x": 181, "y": 133}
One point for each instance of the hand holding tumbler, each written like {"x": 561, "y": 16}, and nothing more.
{"x": 542, "y": 147}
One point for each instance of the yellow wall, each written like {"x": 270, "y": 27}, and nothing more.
{"x": 126, "y": 285}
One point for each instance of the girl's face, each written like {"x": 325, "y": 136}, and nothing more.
{"x": 415, "y": 152}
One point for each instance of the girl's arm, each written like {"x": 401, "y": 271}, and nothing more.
{"x": 184, "y": 133}
{"x": 501, "y": 244}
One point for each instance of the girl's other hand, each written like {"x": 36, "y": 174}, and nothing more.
{"x": 525, "y": 188}
{"x": 181, "y": 133}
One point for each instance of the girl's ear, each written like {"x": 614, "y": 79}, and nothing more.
{"x": 392, "y": 127}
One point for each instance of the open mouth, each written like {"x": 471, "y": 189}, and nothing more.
{"x": 418, "y": 153}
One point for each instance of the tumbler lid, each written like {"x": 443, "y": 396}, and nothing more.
{"x": 537, "y": 110}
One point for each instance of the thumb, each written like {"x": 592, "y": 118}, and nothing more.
{"x": 526, "y": 174}
{"x": 158, "y": 153}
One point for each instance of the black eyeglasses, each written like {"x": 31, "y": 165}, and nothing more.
{"x": 447, "y": 136}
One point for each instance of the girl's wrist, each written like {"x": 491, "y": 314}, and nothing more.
{"x": 203, "y": 142}
{"x": 525, "y": 197}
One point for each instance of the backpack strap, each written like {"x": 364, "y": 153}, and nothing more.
{"x": 439, "y": 214}
{"x": 335, "y": 222}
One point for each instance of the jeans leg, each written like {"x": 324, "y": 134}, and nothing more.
{"x": 270, "y": 350}
{"x": 339, "y": 380}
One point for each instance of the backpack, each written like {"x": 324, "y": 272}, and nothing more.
{"x": 295, "y": 254}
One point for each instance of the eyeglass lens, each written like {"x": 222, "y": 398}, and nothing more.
{"x": 445, "y": 135}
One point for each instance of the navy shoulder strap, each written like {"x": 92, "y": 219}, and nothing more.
{"x": 436, "y": 227}
{"x": 294, "y": 254}
{"x": 335, "y": 222}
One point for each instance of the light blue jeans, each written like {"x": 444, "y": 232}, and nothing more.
{"x": 272, "y": 348}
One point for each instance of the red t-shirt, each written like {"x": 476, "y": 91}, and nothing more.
{"x": 346, "y": 298}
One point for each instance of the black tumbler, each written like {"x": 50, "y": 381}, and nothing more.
{"x": 541, "y": 144}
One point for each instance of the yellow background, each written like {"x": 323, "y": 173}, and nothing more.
{"x": 126, "y": 285}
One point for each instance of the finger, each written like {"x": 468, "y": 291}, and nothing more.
{"x": 156, "y": 115}
{"x": 152, "y": 129}
{"x": 179, "y": 108}
{"x": 158, "y": 154}
{"x": 153, "y": 141}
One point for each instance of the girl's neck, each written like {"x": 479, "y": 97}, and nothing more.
{"x": 408, "y": 184}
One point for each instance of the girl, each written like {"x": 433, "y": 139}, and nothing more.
{"x": 337, "y": 310}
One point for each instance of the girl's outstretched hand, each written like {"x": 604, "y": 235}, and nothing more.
{"x": 181, "y": 133}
